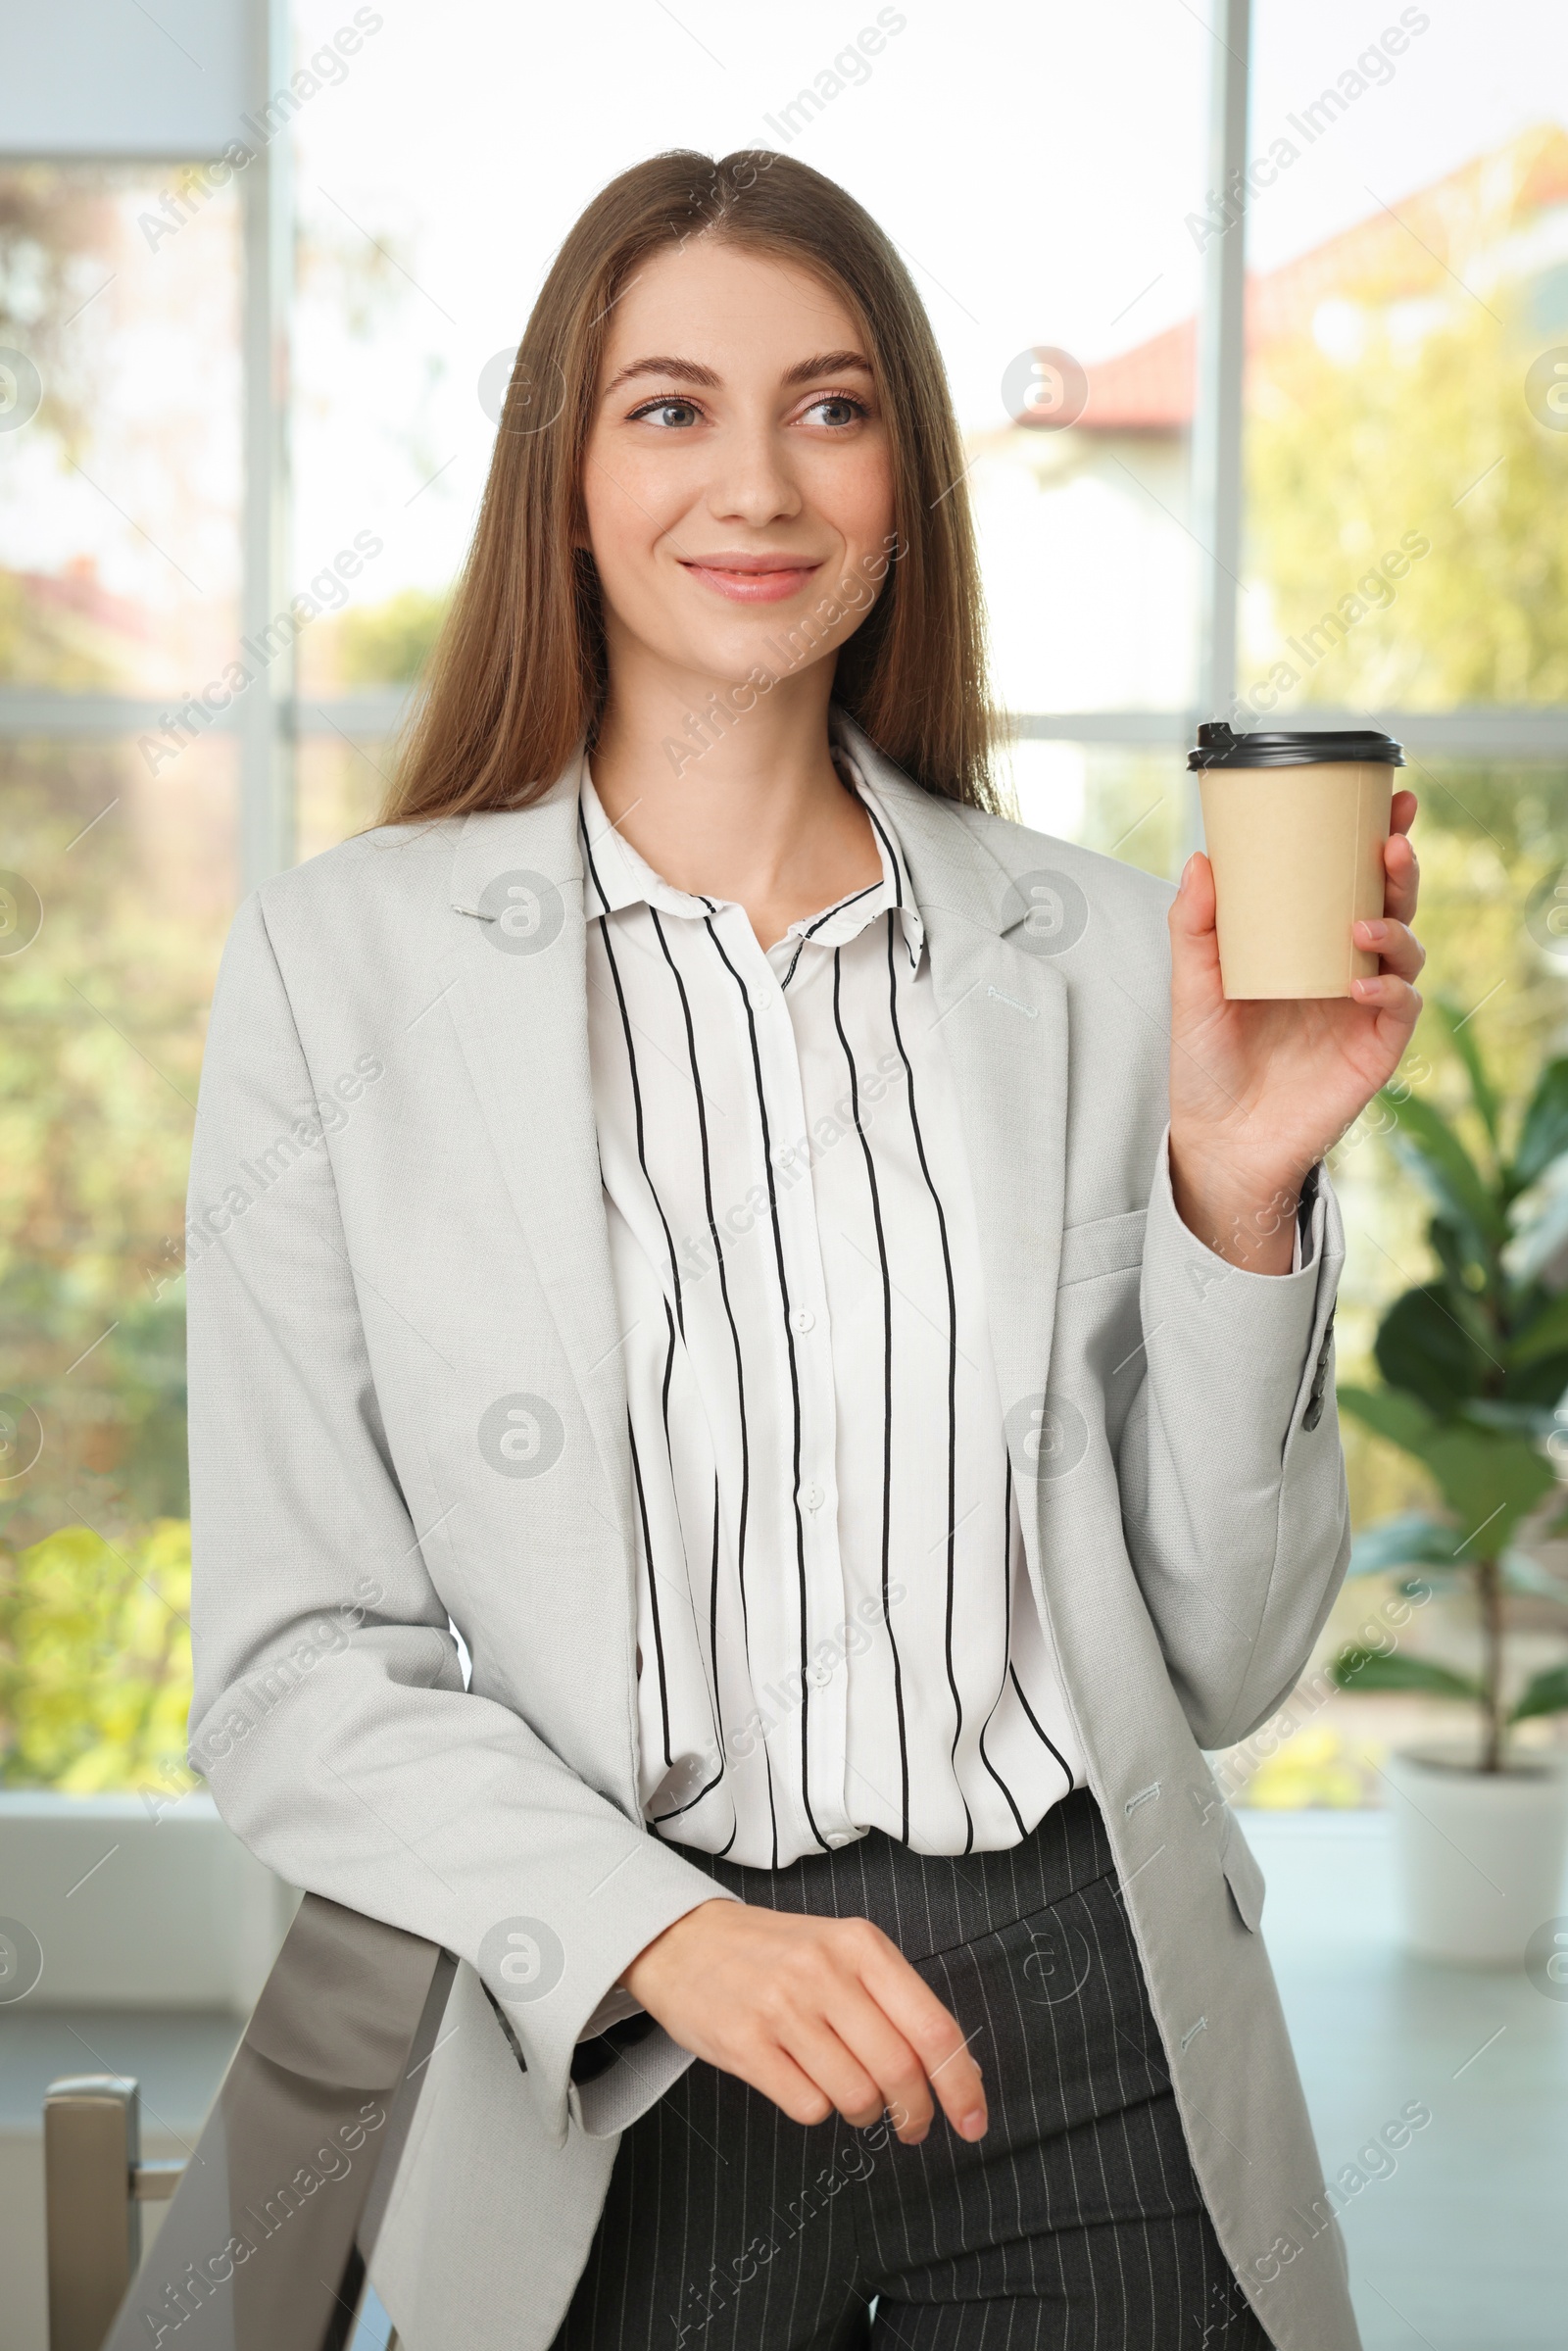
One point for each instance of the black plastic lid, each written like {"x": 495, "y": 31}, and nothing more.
{"x": 1219, "y": 747}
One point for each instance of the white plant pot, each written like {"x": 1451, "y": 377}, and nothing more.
{"x": 1480, "y": 1853}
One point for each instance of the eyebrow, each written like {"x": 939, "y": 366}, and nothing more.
{"x": 691, "y": 372}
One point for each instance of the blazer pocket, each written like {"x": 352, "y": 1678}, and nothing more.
{"x": 1241, "y": 1875}
{"x": 1107, "y": 1245}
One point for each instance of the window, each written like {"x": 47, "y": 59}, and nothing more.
{"x": 1353, "y": 448}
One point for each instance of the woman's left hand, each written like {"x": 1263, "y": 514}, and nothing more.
{"x": 1260, "y": 1090}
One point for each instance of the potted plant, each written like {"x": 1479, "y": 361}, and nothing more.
{"x": 1474, "y": 1365}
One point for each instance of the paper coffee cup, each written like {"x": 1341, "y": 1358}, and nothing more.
{"x": 1295, "y": 826}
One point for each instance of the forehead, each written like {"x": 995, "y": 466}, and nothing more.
{"x": 728, "y": 307}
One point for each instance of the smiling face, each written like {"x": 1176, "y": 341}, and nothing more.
{"x": 737, "y": 480}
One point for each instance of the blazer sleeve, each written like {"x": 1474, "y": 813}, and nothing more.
{"x": 329, "y": 1718}
{"x": 1232, "y": 1476}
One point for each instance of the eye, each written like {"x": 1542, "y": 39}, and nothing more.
{"x": 675, "y": 413}
{"x": 850, "y": 409}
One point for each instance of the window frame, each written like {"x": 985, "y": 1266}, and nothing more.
{"x": 273, "y": 717}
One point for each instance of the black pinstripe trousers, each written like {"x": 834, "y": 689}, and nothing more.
{"x": 1076, "y": 2222}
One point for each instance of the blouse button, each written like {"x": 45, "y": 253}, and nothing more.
{"x": 804, "y": 1320}
{"x": 812, "y": 1496}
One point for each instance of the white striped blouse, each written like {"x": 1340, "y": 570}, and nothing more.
{"x": 836, "y": 1626}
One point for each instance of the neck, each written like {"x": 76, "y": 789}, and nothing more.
{"x": 746, "y": 806}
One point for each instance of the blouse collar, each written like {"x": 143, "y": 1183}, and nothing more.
{"x": 616, "y": 876}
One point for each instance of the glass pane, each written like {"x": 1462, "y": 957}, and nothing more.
{"x": 404, "y": 306}
{"x": 1492, "y": 845}
{"x": 340, "y": 783}
{"x": 119, "y": 428}
{"x": 1124, "y": 800}
{"x": 1407, "y": 374}
{"x": 115, "y": 907}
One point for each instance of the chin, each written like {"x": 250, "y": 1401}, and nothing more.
{"x": 730, "y": 658}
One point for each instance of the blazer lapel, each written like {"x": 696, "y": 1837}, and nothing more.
{"x": 1003, "y": 1016}
{"x": 518, "y": 998}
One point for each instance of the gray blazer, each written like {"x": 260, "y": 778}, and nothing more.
{"x": 395, "y": 1238}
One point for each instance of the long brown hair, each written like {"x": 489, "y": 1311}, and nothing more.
{"x": 519, "y": 675}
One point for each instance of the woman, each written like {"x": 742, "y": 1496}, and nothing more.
{"x": 687, "y": 1205}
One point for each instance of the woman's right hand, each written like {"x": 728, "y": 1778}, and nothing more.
{"x": 816, "y": 2013}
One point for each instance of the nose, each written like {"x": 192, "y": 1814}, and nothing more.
{"x": 751, "y": 480}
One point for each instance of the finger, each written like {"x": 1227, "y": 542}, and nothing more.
{"x": 1194, "y": 978}
{"x": 963, "y": 2097}
{"x": 862, "y": 2024}
{"x": 1397, "y": 1005}
{"x": 835, "y": 2069}
{"x": 932, "y": 2031}
{"x": 1401, "y": 811}
{"x": 1402, "y": 877}
{"x": 1191, "y": 910}
{"x": 776, "y": 2075}
{"x": 1401, "y": 949}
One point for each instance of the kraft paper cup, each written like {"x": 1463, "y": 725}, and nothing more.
{"x": 1294, "y": 831}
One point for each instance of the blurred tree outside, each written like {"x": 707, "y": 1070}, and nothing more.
{"x": 55, "y": 232}
{"x": 95, "y": 1661}
{"x": 389, "y": 644}
{"x": 103, "y": 1000}
{"x": 1402, "y": 404}
{"x": 118, "y": 883}
{"x": 341, "y": 781}
{"x": 1422, "y": 438}
{"x": 104, "y": 1013}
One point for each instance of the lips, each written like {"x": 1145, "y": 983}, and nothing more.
{"x": 752, "y": 579}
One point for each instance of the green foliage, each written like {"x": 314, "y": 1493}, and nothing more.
{"x": 1490, "y": 1477}
{"x": 1544, "y": 1337}
{"x": 1430, "y": 1152}
{"x": 1473, "y": 1362}
{"x": 1546, "y": 1694}
{"x": 1483, "y": 1093}
{"x": 1404, "y": 1420}
{"x": 100, "y": 1037}
{"x": 1411, "y": 1539}
{"x": 95, "y": 1658}
{"x": 1382, "y": 1669}
{"x": 1544, "y": 1136}
{"x": 1425, "y": 1346}
{"x": 389, "y": 644}
{"x": 1522, "y": 1573}
{"x": 1421, "y": 1550}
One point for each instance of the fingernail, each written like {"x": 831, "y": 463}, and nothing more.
{"x": 973, "y": 2123}
{"x": 1364, "y": 988}
{"x": 1373, "y": 930}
